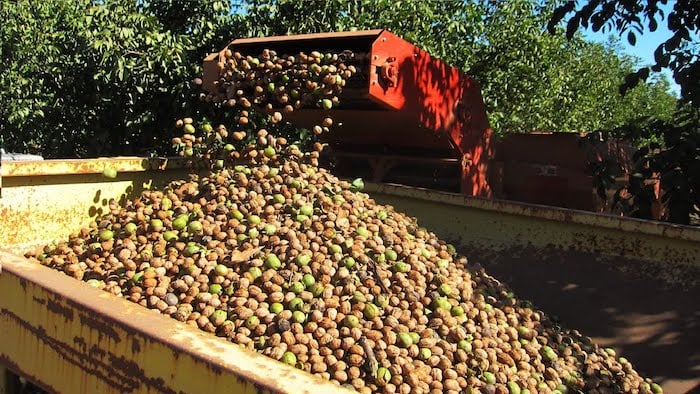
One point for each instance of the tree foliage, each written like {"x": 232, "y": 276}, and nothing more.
{"x": 99, "y": 77}
{"x": 530, "y": 80}
{"x": 89, "y": 78}
{"x": 440, "y": 27}
{"x": 665, "y": 181}
{"x": 630, "y": 18}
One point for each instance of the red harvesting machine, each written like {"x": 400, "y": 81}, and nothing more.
{"x": 405, "y": 117}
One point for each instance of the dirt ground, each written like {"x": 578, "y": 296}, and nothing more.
{"x": 618, "y": 303}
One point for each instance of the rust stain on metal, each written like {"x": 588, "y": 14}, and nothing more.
{"x": 99, "y": 325}
{"x": 79, "y": 341}
{"x": 55, "y": 306}
{"x": 135, "y": 346}
{"x": 120, "y": 373}
{"x": 67, "y": 353}
{"x": 133, "y": 371}
{"x": 96, "y": 352}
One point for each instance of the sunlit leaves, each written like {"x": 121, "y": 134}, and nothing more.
{"x": 88, "y": 78}
{"x": 679, "y": 52}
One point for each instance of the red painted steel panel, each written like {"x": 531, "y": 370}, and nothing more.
{"x": 443, "y": 99}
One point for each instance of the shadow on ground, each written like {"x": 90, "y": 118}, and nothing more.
{"x": 619, "y": 303}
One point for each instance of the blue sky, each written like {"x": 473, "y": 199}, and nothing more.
{"x": 645, "y": 45}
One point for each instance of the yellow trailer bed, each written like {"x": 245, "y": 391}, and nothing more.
{"x": 630, "y": 284}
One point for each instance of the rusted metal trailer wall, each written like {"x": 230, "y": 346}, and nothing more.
{"x": 498, "y": 226}
{"x": 47, "y": 200}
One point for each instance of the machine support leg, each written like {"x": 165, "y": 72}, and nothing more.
{"x": 380, "y": 167}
